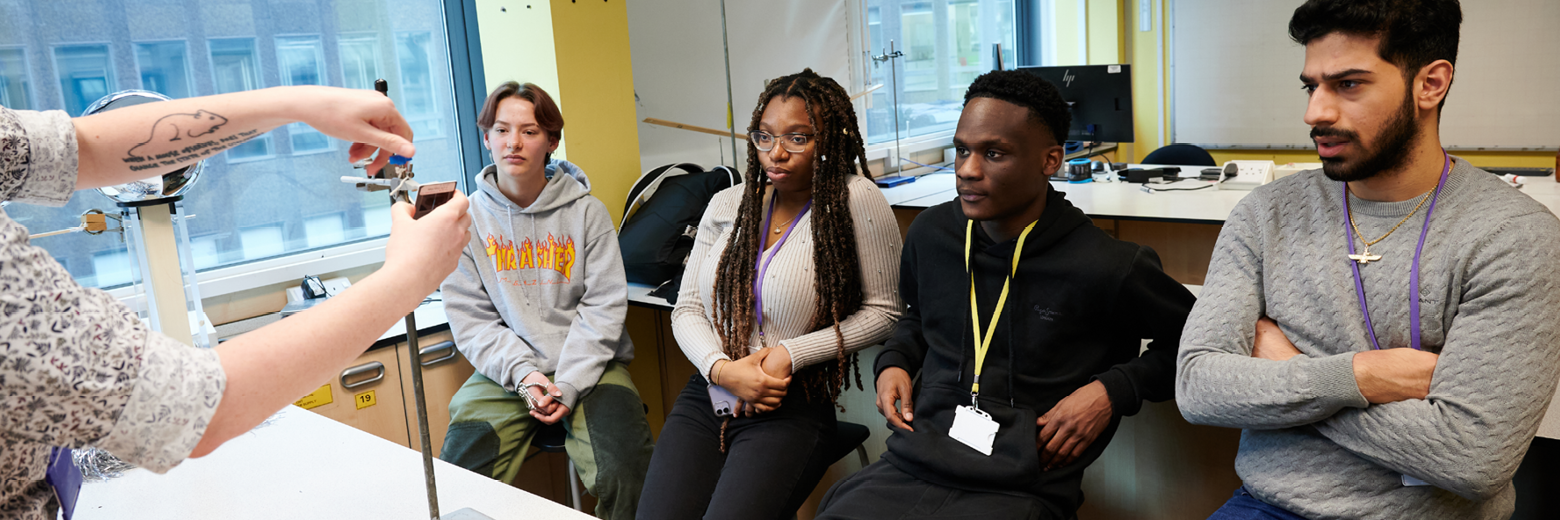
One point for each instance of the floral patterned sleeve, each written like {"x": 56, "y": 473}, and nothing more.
{"x": 77, "y": 367}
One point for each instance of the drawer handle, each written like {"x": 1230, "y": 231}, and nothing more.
{"x": 365, "y": 368}
{"x": 447, "y": 345}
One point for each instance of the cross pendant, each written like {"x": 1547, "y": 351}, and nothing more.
{"x": 1365, "y": 257}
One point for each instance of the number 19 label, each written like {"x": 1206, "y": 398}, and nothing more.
{"x": 365, "y": 399}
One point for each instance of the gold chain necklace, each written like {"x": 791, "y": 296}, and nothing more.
{"x": 1365, "y": 257}
{"x": 780, "y": 228}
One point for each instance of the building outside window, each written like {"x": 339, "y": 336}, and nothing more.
{"x": 269, "y": 199}
{"x": 301, "y": 61}
{"x": 235, "y": 67}
{"x": 416, "y": 67}
{"x": 165, "y": 68}
{"x": 359, "y": 60}
{"x": 84, "y": 74}
{"x": 14, "y": 91}
{"x": 946, "y": 45}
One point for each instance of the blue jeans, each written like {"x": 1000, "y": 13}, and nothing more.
{"x": 1243, "y": 506}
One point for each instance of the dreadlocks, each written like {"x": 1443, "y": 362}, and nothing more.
{"x": 838, "y": 151}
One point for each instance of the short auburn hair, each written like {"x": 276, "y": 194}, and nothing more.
{"x": 547, "y": 115}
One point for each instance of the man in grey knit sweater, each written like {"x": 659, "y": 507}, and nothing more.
{"x": 1381, "y": 329}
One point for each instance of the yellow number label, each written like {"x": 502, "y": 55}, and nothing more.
{"x": 365, "y": 399}
{"x": 317, "y": 398}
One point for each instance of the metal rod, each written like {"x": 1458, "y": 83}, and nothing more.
{"x": 893, "y": 74}
{"x": 731, "y": 118}
{"x": 422, "y": 414}
{"x": 60, "y": 232}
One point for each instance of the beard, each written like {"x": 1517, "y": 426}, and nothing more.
{"x": 1390, "y": 150}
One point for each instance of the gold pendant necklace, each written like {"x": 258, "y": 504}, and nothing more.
{"x": 1364, "y": 257}
{"x": 780, "y": 228}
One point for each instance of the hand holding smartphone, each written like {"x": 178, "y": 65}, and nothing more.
{"x": 433, "y": 195}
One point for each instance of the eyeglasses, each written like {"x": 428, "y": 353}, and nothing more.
{"x": 793, "y": 142}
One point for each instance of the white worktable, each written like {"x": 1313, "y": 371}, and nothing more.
{"x": 304, "y": 465}
{"x": 1121, "y": 200}
{"x": 1118, "y": 200}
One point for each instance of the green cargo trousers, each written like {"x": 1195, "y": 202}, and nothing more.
{"x": 608, "y": 438}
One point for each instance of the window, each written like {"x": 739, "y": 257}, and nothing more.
{"x": 14, "y": 91}
{"x": 359, "y": 61}
{"x": 164, "y": 68}
{"x": 85, "y": 75}
{"x": 301, "y": 60}
{"x": 235, "y": 68}
{"x": 272, "y": 197}
{"x": 417, "y": 85}
{"x": 946, "y": 45}
{"x": 325, "y": 230}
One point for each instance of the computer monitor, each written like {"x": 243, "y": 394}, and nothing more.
{"x": 1100, "y": 97}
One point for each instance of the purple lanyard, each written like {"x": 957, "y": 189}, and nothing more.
{"x": 761, "y": 264}
{"x": 1413, "y": 273}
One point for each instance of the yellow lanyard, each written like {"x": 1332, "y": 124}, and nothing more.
{"x": 981, "y": 346}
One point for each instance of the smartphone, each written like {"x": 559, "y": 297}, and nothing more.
{"x": 722, "y": 400}
{"x": 430, "y": 196}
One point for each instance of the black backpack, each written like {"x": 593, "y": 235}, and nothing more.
{"x": 657, "y": 238}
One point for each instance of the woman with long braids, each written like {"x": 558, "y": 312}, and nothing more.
{"x": 793, "y": 272}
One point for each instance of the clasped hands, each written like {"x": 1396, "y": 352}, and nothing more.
{"x": 1384, "y": 376}
{"x": 1064, "y": 432}
{"x": 759, "y": 380}
{"x": 548, "y": 409}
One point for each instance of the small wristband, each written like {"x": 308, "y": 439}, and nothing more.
{"x": 719, "y": 368}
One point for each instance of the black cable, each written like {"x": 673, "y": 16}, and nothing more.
{"x": 1203, "y": 187}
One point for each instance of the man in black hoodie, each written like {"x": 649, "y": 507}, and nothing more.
{"x": 1019, "y": 395}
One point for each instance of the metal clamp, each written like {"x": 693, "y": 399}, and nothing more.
{"x": 447, "y": 345}
{"x": 362, "y": 369}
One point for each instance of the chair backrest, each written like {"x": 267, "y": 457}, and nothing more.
{"x": 1181, "y": 154}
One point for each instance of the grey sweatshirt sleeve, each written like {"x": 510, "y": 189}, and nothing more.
{"x": 877, "y": 250}
{"x": 480, "y": 333}
{"x": 597, "y": 332}
{"x": 1494, "y": 378}
{"x": 691, "y": 324}
{"x": 1218, "y": 383}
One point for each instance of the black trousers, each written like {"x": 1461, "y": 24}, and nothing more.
{"x": 882, "y": 491}
{"x": 772, "y": 461}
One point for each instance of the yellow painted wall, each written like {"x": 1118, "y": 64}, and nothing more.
{"x": 517, "y": 45}
{"x": 597, "y": 73}
{"x": 1069, "y": 24}
{"x": 1105, "y": 38}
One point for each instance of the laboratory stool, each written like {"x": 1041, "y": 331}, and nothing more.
{"x": 550, "y": 439}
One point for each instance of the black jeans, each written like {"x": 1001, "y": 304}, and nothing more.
{"x": 772, "y": 461}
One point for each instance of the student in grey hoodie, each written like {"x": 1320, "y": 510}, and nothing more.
{"x": 537, "y": 304}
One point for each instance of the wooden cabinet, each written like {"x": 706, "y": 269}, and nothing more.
{"x": 367, "y": 396}
{"x": 444, "y": 371}
{"x": 380, "y": 399}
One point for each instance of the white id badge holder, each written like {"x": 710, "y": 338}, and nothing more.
{"x": 974, "y": 428}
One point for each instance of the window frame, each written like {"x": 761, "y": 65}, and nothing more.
{"x": 189, "y": 73}
{"x": 1027, "y": 23}
{"x": 28, "y": 90}
{"x": 267, "y": 138}
{"x": 284, "y": 78}
{"x": 54, "y": 65}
